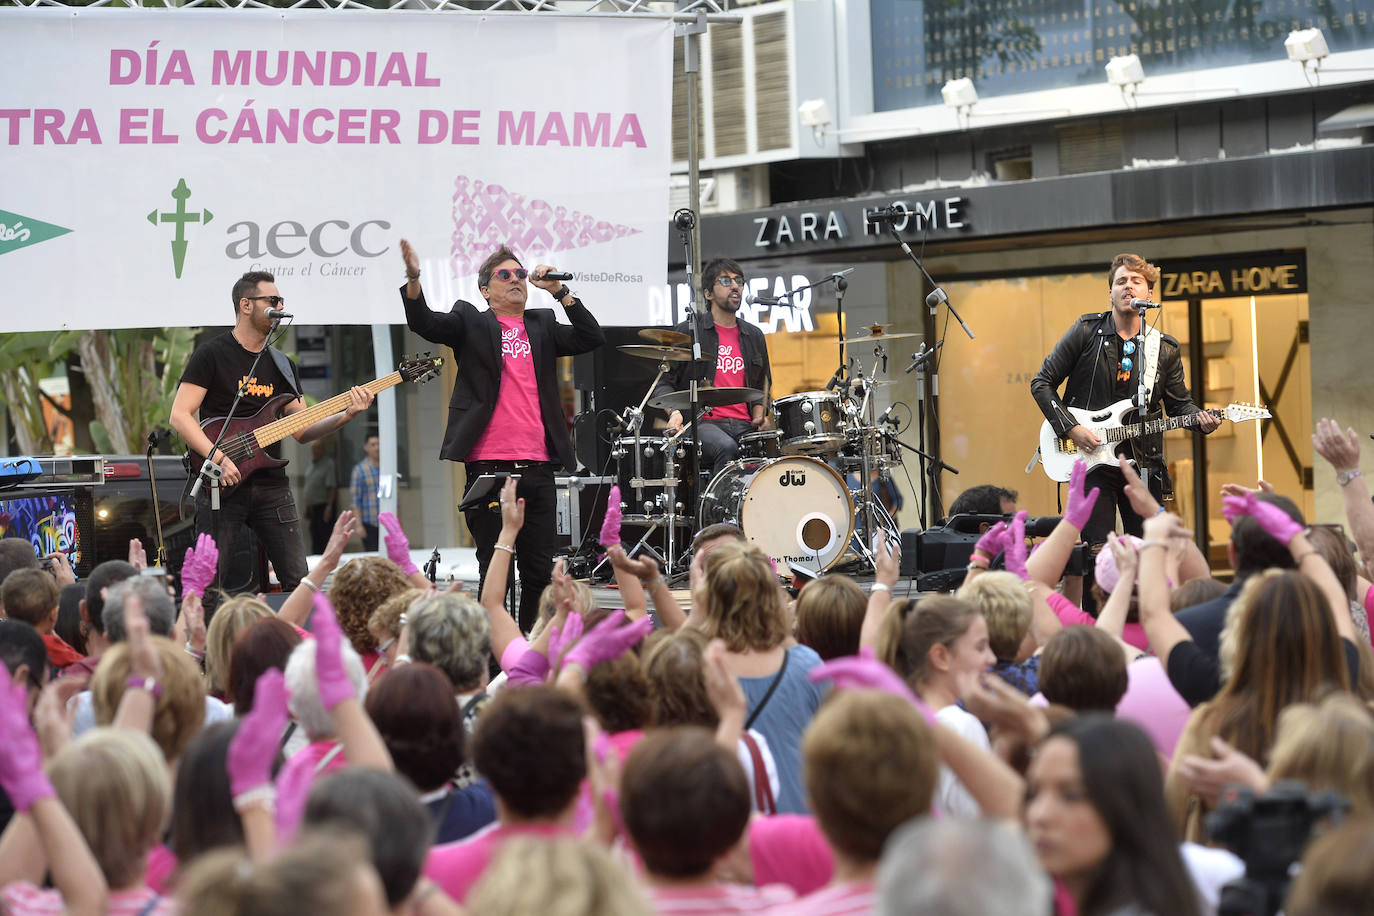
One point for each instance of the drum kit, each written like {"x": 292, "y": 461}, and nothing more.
{"x": 787, "y": 490}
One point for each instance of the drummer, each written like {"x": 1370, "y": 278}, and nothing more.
{"x": 741, "y": 361}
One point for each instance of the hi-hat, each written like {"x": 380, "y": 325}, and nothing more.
{"x": 706, "y": 397}
{"x": 876, "y": 332}
{"x": 662, "y": 354}
{"x": 666, "y": 337}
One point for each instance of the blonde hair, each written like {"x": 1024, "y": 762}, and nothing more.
{"x": 230, "y": 619}
{"x": 1328, "y": 745}
{"x": 387, "y": 617}
{"x": 357, "y": 589}
{"x": 741, "y": 601}
{"x": 177, "y": 714}
{"x": 305, "y": 877}
{"x": 557, "y": 876}
{"x": 1006, "y": 606}
{"x": 114, "y": 782}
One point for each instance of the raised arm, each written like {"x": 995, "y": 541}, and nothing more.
{"x": 1047, "y": 564}
{"x": 398, "y": 550}
{"x": 435, "y": 327}
{"x": 504, "y": 629}
{"x": 889, "y": 565}
{"x": 1192, "y": 563}
{"x": 1156, "y": 616}
{"x": 362, "y": 744}
{"x": 295, "y": 610}
{"x": 1342, "y": 451}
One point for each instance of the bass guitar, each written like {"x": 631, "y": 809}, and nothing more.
{"x": 1112, "y": 427}
{"x": 246, "y": 438}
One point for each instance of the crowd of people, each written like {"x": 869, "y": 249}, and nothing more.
{"x": 994, "y": 750}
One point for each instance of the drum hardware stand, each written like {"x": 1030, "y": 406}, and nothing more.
{"x": 686, "y": 220}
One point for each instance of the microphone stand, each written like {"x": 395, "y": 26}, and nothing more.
{"x": 686, "y": 221}
{"x": 209, "y": 470}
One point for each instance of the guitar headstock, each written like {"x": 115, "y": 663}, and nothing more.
{"x": 1237, "y": 413}
{"x": 420, "y": 368}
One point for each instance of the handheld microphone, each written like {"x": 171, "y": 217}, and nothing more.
{"x": 277, "y": 314}
{"x": 555, "y": 275}
{"x": 765, "y": 300}
{"x": 1145, "y": 304}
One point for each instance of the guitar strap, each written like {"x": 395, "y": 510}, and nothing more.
{"x": 1150, "y": 365}
{"x": 287, "y": 370}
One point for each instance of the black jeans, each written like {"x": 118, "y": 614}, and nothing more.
{"x": 265, "y": 506}
{"x": 535, "y": 544}
{"x": 1108, "y": 479}
{"x": 720, "y": 441}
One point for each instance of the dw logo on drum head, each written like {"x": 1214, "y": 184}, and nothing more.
{"x": 790, "y": 478}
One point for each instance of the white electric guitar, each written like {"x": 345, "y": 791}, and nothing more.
{"x": 1058, "y": 454}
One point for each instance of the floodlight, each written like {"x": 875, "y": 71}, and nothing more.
{"x": 1306, "y": 44}
{"x": 959, "y": 93}
{"x": 1125, "y": 71}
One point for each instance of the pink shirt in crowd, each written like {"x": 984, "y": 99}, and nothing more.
{"x": 718, "y": 898}
{"x": 790, "y": 849}
{"x": 20, "y": 898}
{"x": 456, "y": 867}
{"x": 729, "y": 372}
{"x": 1152, "y": 703}
{"x": 1071, "y": 615}
{"x": 162, "y": 865}
{"x": 851, "y": 898}
{"x": 516, "y": 430}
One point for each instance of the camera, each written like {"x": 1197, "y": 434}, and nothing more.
{"x": 1269, "y": 834}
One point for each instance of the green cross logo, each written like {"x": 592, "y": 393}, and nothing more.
{"x": 180, "y": 217}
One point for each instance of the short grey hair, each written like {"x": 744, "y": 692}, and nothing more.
{"x": 157, "y": 604}
{"x": 942, "y": 868}
{"x": 304, "y": 688}
{"x": 452, "y": 633}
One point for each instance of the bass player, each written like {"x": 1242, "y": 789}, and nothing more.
{"x": 262, "y": 501}
{"x": 1099, "y": 358}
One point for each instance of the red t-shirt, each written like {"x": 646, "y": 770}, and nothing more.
{"x": 60, "y": 654}
{"x": 730, "y": 372}
{"x": 516, "y": 430}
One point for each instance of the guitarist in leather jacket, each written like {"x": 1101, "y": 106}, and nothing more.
{"x": 1098, "y": 358}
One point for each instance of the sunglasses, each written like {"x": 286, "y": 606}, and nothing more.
{"x": 275, "y": 302}
{"x": 504, "y": 273}
{"x": 728, "y": 282}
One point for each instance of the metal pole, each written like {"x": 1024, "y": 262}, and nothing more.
{"x": 691, "y": 66}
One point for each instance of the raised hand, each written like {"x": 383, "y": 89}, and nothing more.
{"x": 641, "y": 567}
{"x": 562, "y": 638}
{"x": 335, "y": 687}
{"x": 1016, "y": 546}
{"x": 254, "y": 745}
{"x": 864, "y": 671}
{"x": 512, "y": 507}
{"x": 1080, "y": 505}
{"x": 993, "y": 541}
{"x": 397, "y": 544}
{"x": 138, "y": 557}
{"x": 198, "y": 570}
{"x": 1271, "y": 519}
{"x": 1207, "y": 776}
{"x": 1139, "y": 495}
{"x": 889, "y": 559}
{"x": 607, "y": 640}
{"x": 722, "y": 688}
{"x": 1235, "y": 489}
{"x": 1125, "y": 557}
{"x": 411, "y": 260}
{"x": 21, "y": 759}
{"x": 610, "y": 528}
{"x": 1341, "y": 450}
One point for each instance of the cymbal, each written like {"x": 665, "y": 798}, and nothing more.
{"x": 666, "y": 337}
{"x": 662, "y": 354}
{"x": 706, "y": 397}
{"x": 876, "y": 332}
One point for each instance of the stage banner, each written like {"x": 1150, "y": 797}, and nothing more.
{"x": 151, "y": 157}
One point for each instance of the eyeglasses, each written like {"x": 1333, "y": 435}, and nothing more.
{"x": 728, "y": 282}
{"x": 505, "y": 273}
{"x": 275, "y": 302}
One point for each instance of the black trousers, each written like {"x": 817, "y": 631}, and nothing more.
{"x": 534, "y": 545}
{"x": 266, "y": 507}
{"x": 1108, "y": 479}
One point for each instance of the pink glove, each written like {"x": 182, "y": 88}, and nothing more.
{"x": 561, "y": 639}
{"x": 335, "y": 687}
{"x": 608, "y": 640}
{"x": 21, "y": 759}
{"x": 865, "y": 672}
{"x": 198, "y": 570}
{"x": 1016, "y": 545}
{"x": 1080, "y": 507}
{"x": 1271, "y": 519}
{"x": 532, "y": 667}
{"x": 993, "y": 541}
{"x": 397, "y": 544}
{"x": 610, "y": 528}
{"x": 249, "y": 760}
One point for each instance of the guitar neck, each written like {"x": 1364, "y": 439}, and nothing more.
{"x": 293, "y": 423}
{"x": 1151, "y": 427}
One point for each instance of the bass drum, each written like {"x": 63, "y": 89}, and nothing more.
{"x": 795, "y": 509}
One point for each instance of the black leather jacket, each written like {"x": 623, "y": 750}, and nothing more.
{"x": 1087, "y": 356}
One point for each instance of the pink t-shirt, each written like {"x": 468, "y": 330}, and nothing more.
{"x": 1071, "y": 615}
{"x": 718, "y": 898}
{"x": 456, "y": 867}
{"x": 162, "y": 865}
{"x": 1369, "y": 609}
{"x": 516, "y": 430}
{"x": 20, "y": 898}
{"x": 1152, "y": 703}
{"x": 790, "y": 849}
{"x": 730, "y": 372}
{"x": 297, "y": 775}
{"x": 851, "y": 898}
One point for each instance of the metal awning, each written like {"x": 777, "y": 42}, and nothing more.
{"x": 1352, "y": 118}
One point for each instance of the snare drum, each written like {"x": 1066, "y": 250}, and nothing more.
{"x": 647, "y": 465}
{"x": 761, "y": 444}
{"x": 812, "y": 423}
{"x": 795, "y": 509}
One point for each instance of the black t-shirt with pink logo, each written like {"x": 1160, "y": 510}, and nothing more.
{"x": 219, "y": 365}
